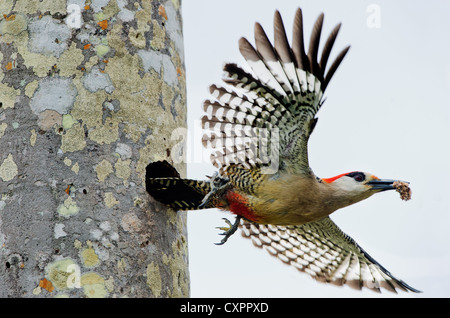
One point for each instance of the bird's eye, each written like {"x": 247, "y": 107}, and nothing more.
{"x": 357, "y": 176}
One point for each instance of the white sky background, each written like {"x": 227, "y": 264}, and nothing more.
{"x": 387, "y": 112}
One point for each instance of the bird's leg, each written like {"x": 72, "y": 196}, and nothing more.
{"x": 230, "y": 230}
{"x": 218, "y": 185}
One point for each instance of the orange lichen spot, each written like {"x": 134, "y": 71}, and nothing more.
{"x": 9, "y": 66}
{"x": 105, "y": 61}
{"x": 87, "y": 7}
{"x": 103, "y": 24}
{"x": 87, "y": 46}
{"x": 179, "y": 72}
{"x": 47, "y": 285}
{"x": 12, "y": 17}
{"x": 162, "y": 11}
{"x": 67, "y": 189}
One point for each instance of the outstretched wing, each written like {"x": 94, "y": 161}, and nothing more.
{"x": 323, "y": 251}
{"x": 266, "y": 118}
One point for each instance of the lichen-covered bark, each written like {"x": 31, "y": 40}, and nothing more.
{"x": 90, "y": 92}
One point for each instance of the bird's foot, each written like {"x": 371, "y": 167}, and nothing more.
{"x": 228, "y": 230}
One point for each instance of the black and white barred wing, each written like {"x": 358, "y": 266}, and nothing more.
{"x": 266, "y": 116}
{"x": 323, "y": 251}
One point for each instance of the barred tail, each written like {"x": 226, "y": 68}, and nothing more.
{"x": 164, "y": 184}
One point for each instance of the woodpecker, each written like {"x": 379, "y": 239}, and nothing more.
{"x": 258, "y": 126}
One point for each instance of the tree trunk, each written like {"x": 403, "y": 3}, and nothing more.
{"x": 90, "y": 93}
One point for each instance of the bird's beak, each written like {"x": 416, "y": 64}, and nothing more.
{"x": 382, "y": 184}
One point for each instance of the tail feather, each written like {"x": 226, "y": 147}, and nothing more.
{"x": 164, "y": 184}
{"x": 161, "y": 169}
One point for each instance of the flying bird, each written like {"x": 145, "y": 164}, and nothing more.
{"x": 257, "y": 127}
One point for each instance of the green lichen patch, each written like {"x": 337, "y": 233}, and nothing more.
{"x": 8, "y": 169}
{"x": 68, "y": 121}
{"x": 32, "y": 7}
{"x": 13, "y": 25}
{"x": 3, "y": 127}
{"x": 177, "y": 265}
{"x": 103, "y": 169}
{"x": 8, "y": 96}
{"x": 73, "y": 139}
{"x": 93, "y": 285}
{"x": 123, "y": 169}
{"x": 89, "y": 258}
{"x": 68, "y": 208}
{"x": 154, "y": 281}
{"x": 110, "y": 200}
{"x": 106, "y": 133}
{"x": 63, "y": 274}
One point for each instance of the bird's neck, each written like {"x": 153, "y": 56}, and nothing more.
{"x": 337, "y": 196}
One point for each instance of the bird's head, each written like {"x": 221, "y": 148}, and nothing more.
{"x": 355, "y": 186}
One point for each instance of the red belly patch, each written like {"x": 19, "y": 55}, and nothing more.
{"x": 238, "y": 204}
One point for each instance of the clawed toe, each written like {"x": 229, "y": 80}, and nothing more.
{"x": 229, "y": 230}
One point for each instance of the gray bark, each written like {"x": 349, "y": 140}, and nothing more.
{"x": 90, "y": 93}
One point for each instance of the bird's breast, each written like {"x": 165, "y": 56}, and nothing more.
{"x": 289, "y": 200}
{"x": 239, "y": 204}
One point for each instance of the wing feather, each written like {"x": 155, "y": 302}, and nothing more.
{"x": 280, "y": 97}
{"x": 326, "y": 253}
{"x": 298, "y": 43}
{"x": 314, "y": 46}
